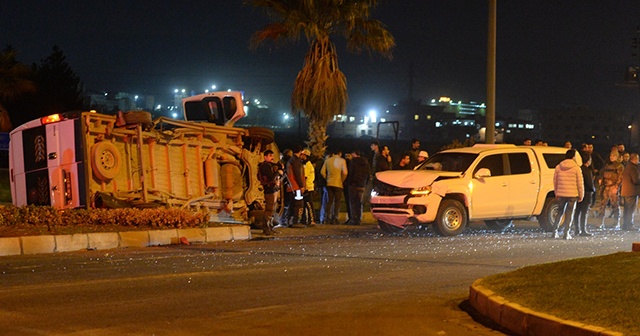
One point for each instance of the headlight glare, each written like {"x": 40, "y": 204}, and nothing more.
{"x": 422, "y": 191}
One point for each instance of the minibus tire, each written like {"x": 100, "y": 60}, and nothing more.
{"x": 105, "y": 160}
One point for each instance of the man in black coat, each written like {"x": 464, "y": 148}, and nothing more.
{"x": 359, "y": 171}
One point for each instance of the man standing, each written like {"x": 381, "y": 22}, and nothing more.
{"x": 270, "y": 180}
{"x": 414, "y": 152}
{"x": 630, "y": 191}
{"x": 375, "y": 148}
{"x": 295, "y": 176}
{"x": 568, "y": 185}
{"x": 309, "y": 213}
{"x": 582, "y": 208}
{"x": 384, "y": 159}
{"x": 610, "y": 179}
{"x": 358, "y": 176}
{"x": 335, "y": 171}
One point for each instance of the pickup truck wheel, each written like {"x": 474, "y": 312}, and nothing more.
{"x": 547, "y": 219}
{"x": 451, "y": 219}
{"x": 499, "y": 224}
{"x": 388, "y": 228}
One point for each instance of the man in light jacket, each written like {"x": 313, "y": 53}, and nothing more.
{"x": 335, "y": 172}
{"x": 568, "y": 186}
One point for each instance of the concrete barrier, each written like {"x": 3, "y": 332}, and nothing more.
{"x": 74, "y": 242}
{"x": 110, "y": 240}
{"x": 163, "y": 237}
{"x": 103, "y": 241}
{"x": 134, "y": 239}
{"x": 38, "y": 244}
{"x": 10, "y": 246}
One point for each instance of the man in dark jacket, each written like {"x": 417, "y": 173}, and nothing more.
{"x": 630, "y": 191}
{"x": 582, "y": 208}
{"x": 270, "y": 179}
{"x": 357, "y": 179}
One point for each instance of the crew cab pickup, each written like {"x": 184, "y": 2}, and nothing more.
{"x": 492, "y": 183}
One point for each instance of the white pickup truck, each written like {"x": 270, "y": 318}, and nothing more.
{"x": 493, "y": 183}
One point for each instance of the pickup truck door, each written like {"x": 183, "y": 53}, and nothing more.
{"x": 490, "y": 195}
{"x": 524, "y": 182}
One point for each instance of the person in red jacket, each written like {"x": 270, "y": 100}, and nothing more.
{"x": 295, "y": 176}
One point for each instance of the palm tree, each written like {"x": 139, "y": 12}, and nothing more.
{"x": 320, "y": 89}
{"x": 15, "y": 81}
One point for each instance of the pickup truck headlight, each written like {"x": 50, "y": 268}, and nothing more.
{"x": 422, "y": 191}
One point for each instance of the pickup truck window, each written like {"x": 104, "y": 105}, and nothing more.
{"x": 492, "y": 162}
{"x": 519, "y": 163}
{"x": 553, "y": 159}
{"x": 451, "y": 162}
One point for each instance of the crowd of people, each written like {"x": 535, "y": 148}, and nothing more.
{"x": 584, "y": 184}
{"x": 328, "y": 180}
{"x": 585, "y": 181}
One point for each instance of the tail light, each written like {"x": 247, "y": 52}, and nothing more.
{"x": 51, "y": 119}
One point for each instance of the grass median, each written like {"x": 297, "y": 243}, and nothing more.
{"x": 602, "y": 291}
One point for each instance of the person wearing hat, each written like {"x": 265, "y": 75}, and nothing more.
{"x": 422, "y": 157}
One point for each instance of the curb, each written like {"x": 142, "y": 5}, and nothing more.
{"x": 111, "y": 240}
{"x": 524, "y": 321}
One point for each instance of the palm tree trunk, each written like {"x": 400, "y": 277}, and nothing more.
{"x": 317, "y": 136}
{"x": 5, "y": 121}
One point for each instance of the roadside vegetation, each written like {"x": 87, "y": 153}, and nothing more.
{"x": 5, "y": 190}
{"x": 603, "y": 291}
{"x": 41, "y": 220}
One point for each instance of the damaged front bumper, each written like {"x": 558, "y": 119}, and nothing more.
{"x": 405, "y": 210}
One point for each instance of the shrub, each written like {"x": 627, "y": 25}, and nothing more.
{"x": 51, "y": 218}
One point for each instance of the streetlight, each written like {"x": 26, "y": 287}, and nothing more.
{"x": 630, "y": 127}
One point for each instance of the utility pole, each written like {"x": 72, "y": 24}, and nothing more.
{"x": 632, "y": 78}
{"x": 491, "y": 75}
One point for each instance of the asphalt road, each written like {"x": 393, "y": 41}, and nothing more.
{"x": 317, "y": 281}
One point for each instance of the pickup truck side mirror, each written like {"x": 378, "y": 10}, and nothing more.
{"x": 482, "y": 173}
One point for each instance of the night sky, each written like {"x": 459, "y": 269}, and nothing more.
{"x": 550, "y": 53}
